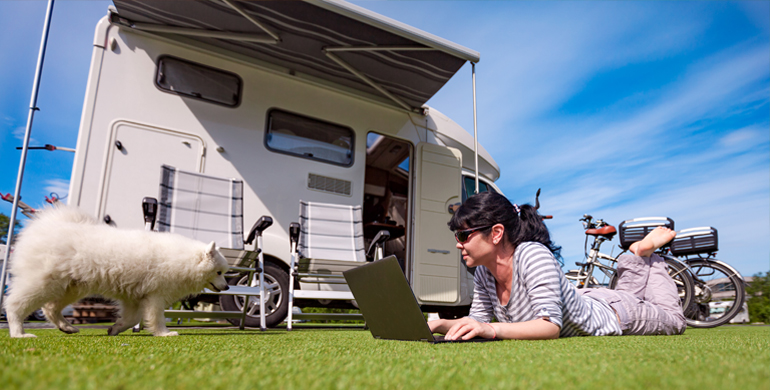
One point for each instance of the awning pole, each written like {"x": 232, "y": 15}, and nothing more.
{"x": 475, "y": 130}
{"x": 369, "y": 81}
{"x": 32, "y": 109}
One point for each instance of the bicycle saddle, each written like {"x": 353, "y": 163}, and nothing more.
{"x": 608, "y": 231}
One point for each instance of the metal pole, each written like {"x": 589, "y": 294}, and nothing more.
{"x": 262, "y": 319}
{"x": 475, "y": 130}
{"x": 32, "y": 109}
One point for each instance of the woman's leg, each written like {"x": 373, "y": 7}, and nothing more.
{"x": 634, "y": 270}
{"x": 644, "y": 275}
{"x": 652, "y": 241}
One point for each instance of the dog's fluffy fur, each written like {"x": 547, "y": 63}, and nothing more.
{"x": 64, "y": 255}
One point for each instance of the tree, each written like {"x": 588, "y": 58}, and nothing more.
{"x": 4, "y": 223}
{"x": 758, "y": 292}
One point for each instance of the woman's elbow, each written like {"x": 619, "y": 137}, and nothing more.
{"x": 551, "y": 330}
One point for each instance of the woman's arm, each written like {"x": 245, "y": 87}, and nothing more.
{"x": 537, "y": 329}
{"x": 442, "y": 326}
{"x": 468, "y": 328}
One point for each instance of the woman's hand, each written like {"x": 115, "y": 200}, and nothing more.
{"x": 463, "y": 328}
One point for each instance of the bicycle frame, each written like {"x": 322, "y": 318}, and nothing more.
{"x": 722, "y": 263}
{"x": 695, "y": 275}
{"x": 594, "y": 263}
{"x": 680, "y": 261}
{"x": 585, "y": 274}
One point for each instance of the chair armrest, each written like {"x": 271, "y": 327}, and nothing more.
{"x": 262, "y": 223}
{"x": 293, "y": 232}
{"x": 150, "y": 211}
{"x": 379, "y": 239}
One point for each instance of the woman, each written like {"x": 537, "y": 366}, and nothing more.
{"x": 519, "y": 282}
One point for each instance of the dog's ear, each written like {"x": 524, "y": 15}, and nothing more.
{"x": 211, "y": 249}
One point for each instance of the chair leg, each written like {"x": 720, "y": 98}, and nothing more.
{"x": 292, "y": 271}
{"x": 262, "y": 324}
{"x": 246, "y": 300}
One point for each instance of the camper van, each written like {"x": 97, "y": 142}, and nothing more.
{"x": 318, "y": 101}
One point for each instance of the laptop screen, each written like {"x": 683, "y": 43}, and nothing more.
{"x": 387, "y": 302}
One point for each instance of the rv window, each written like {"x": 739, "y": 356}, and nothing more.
{"x": 310, "y": 138}
{"x": 198, "y": 81}
{"x": 469, "y": 187}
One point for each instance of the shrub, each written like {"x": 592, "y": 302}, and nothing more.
{"x": 5, "y": 222}
{"x": 758, "y": 293}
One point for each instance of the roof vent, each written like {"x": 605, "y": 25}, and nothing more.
{"x": 328, "y": 184}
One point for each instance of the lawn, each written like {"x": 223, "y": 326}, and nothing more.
{"x": 727, "y": 357}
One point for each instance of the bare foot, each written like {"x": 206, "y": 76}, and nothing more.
{"x": 655, "y": 239}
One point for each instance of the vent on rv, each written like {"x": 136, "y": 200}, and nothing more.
{"x": 328, "y": 184}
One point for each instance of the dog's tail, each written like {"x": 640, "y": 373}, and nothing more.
{"x": 62, "y": 214}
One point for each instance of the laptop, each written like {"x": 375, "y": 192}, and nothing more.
{"x": 388, "y": 304}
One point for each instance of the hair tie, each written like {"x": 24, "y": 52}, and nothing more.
{"x": 517, "y": 209}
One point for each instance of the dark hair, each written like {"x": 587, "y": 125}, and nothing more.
{"x": 490, "y": 208}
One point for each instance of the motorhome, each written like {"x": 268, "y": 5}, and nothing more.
{"x": 318, "y": 100}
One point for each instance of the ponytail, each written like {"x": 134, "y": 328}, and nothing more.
{"x": 532, "y": 228}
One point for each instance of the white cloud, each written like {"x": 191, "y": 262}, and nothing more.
{"x": 743, "y": 137}
{"x": 551, "y": 55}
{"x": 19, "y": 133}
{"x": 661, "y": 126}
{"x": 726, "y": 188}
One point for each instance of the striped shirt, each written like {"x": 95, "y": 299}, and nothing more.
{"x": 539, "y": 289}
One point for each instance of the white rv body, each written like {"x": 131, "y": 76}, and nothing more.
{"x": 123, "y": 106}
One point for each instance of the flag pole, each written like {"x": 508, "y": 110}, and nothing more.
{"x": 475, "y": 131}
{"x": 32, "y": 108}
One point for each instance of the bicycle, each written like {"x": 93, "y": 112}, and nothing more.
{"x": 705, "y": 284}
{"x": 631, "y": 231}
{"x": 716, "y": 283}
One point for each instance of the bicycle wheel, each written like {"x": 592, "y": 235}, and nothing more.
{"x": 578, "y": 278}
{"x": 719, "y": 294}
{"x": 685, "y": 285}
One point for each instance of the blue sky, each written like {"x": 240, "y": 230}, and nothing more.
{"x": 616, "y": 109}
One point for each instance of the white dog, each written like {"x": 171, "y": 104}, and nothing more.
{"x": 64, "y": 255}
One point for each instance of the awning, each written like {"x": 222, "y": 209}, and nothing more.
{"x": 331, "y": 40}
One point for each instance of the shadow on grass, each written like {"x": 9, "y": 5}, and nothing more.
{"x": 182, "y": 334}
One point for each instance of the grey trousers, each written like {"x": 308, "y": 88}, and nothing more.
{"x": 645, "y": 297}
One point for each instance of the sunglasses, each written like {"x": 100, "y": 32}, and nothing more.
{"x": 462, "y": 236}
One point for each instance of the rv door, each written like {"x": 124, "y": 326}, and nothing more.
{"x": 436, "y": 266}
{"x": 135, "y": 155}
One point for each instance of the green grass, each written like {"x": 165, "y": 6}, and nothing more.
{"x": 726, "y": 357}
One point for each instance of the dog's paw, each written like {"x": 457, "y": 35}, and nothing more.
{"x": 167, "y": 334}
{"x": 23, "y": 335}
{"x": 69, "y": 329}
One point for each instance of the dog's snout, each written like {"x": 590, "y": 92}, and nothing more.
{"x": 225, "y": 288}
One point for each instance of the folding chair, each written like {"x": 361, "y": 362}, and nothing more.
{"x": 328, "y": 240}
{"x": 209, "y": 208}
